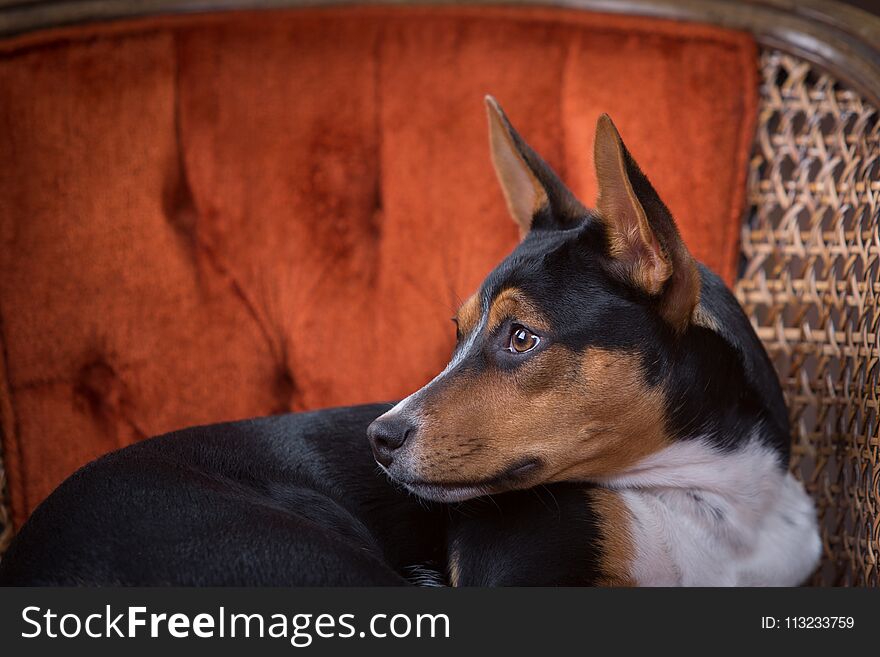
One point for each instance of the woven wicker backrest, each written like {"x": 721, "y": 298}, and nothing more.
{"x": 810, "y": 284}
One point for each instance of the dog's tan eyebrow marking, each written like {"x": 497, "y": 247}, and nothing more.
{"x": 468, "y": 315}
{"x": 512, "y": 302}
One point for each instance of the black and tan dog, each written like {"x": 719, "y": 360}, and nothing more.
{"x": 600, "y": 351}
{"x": 608, "y": 417}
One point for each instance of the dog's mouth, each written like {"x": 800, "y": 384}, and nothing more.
{"x": 458, "y": 491}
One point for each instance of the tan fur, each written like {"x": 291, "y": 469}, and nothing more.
{"x": 468, "y": 315}
{"x": 616, "y": 540}
{"x": 683, "y": 292}
{"x": 630, "y": 236}
{"x": 650, "y": 254}
{"x": 625, "y": 416}
{"x": 523, "y": 192}
{"x": 513, "y": 304}
{"x": 583, "y": 417}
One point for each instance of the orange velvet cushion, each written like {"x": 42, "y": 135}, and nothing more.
{"x": 208, "y": 218}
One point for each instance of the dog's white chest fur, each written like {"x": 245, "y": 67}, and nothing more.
{"x": 704, "y": 517}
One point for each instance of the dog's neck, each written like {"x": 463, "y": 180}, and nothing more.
{"x": 696, "y": 464}
{"x": 709, "y": 516}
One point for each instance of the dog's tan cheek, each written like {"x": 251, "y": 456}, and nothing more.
{"x": 622, "y": 418}
{"x": 479, "y": 424}
{"x": 532, "y": 412}
{"x": 585, "y": 415}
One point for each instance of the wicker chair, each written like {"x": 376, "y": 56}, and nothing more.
{"x": 810, "y": 245}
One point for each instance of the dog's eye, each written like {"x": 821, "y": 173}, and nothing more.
{"x": 522, "y": 340}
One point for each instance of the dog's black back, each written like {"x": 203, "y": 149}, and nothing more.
{"x": 289, "y": 500}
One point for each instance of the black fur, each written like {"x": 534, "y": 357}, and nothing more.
{"x": 280, "y": 501}
{"x": 293, "y": 500}
{"x": 545, "y": 536}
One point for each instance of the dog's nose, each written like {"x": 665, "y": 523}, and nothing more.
{"x": 388, "y": 435}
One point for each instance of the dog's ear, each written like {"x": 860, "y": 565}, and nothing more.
{"x": 535, "y": 196}
{"x": 645, "y": 246}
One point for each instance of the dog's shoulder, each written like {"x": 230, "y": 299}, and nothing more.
{"x": 566, "y": 534}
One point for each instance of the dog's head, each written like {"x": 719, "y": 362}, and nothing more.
{"x": 555, "y": 375}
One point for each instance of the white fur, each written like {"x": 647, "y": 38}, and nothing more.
{"x": 706, "y": 517}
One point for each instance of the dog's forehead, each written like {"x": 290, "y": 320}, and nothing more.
{"x": 528, "y": 261}
{"x": 546, "y": 264}
{"x": 518, "y": 282}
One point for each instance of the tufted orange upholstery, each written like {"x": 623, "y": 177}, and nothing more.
{"x": 208, "y": 218}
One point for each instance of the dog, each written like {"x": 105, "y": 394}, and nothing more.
{"x": 609, "y": 417}
{"x": 600, "y": 351}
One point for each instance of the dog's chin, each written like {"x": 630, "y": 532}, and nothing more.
{"x": 516, "y": 476}
{"x": 446, "y": 494}
{"x": 437, "y": 492}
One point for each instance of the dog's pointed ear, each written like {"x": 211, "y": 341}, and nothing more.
{"x": 535, "y": 196}
{"x": 644, "y": 243}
